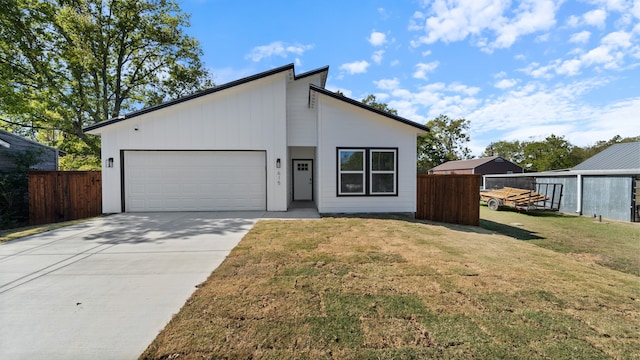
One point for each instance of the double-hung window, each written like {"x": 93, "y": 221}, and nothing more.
{"x": 367, "y": 171}
{"x": 351, "y": 178}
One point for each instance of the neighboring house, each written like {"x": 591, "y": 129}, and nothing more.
{"x": 12, "y": 144}
{"x": 607, "y": 184}
{"x": 482, "y": 166}
{"x": 260, "y": 143}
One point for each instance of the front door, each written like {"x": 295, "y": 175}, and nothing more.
{"x": 302, "y": 180}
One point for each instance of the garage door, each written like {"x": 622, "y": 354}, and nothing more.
{"x": 194, "y": 180}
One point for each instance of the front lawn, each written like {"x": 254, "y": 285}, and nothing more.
{"x": 613, "y": 244}
{"x": 372, "y": 288}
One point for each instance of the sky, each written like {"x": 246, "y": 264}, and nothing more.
{"x": 516, "y": 70}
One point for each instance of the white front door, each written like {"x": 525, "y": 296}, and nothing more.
{"x": 302, "y": 180}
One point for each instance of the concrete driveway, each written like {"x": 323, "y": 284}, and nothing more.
{"x": 105, "y": 288}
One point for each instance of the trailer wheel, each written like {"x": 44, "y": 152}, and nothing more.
{"x": 493, "y": 204}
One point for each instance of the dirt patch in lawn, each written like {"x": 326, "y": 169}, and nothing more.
{"x": 375, "y": 288}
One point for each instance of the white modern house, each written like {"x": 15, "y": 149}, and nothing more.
{"x": 260, "y": 143}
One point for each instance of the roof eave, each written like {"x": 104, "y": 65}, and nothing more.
{"x": 90, "y": 129}
{"x": 423, "y": 129}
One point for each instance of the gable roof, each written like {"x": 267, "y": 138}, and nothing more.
{"x": 465, "y": 164}
{"x": 313, "y": 88}
{"x": 615, "y": 157}
{"x": 285, "y": 68}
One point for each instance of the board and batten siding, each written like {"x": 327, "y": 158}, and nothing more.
{"x": 250, "y": 116}
{"x": 301, "y": 120}
{"x": 343, "y": 125}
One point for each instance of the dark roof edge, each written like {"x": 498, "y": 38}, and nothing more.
{"x": 191, "y": 97}
{"x": 324, "y": 69}
{"x": 367, "y": 107}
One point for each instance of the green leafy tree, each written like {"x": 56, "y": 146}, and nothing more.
{"x": 551, "y": 154}
{"x": 447, "y": 140}
{"x": 67, "y": 64}
{"x": 372, "y": 101}
{"x": 510, "y": 150}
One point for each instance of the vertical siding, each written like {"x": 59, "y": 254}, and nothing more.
{"x": 569, "y": 202}
{"x": 301, "y": 121}
{"x": 609, "y": 196}
{"x": 250, "y": 116}
{"x": 344, "y": 125}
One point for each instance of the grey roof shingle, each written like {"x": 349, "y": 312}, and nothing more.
{"x": 615, "y": 157}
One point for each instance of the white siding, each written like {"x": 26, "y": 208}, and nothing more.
{"x": 250, "y": 116}
{"x": 344, "y": 125}
{"x": 301, "y": 121}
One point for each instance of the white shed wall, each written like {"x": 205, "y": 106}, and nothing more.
{"x": 250, "y": 116}
{"x": 344, "y": 125}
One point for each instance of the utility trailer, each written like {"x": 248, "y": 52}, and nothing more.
{"x": 546, "y": 197}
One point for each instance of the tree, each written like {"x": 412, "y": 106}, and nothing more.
{"x": 67, "y": 64}
{"x": 447, "y": 140}
{"x": 551, "y": 154}
{"x": 510, "y": 150}
{"x": 371, "y": 101}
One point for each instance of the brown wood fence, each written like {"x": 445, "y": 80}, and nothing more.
{"x": 56, "y": 196}
{"x": 449, "y": 198}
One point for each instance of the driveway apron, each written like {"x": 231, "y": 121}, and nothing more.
{"x": 103, "y": 289}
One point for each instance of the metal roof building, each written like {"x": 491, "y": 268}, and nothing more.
{"x": 607, "y": 184}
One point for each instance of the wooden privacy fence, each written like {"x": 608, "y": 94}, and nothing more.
{"x": 56, "y": 196}
{"x": 449, "y": 198}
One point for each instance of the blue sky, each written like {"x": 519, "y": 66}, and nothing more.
{"x": 517, "y": 70}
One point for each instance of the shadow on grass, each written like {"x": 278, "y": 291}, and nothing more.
{"x": 486, "y": 226}
{"x": 508, "y": 230}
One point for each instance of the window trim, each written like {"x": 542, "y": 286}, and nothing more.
{"x": 368, "y": 172}
{"x": 363, "y": 172}
{"x": 380, "y": 172}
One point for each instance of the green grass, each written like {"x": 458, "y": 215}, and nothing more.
{"x": 612, "y": 244}
{"x": 376, "y": 288}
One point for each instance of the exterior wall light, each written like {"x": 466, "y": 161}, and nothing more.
{"x": 110, "y": 162}
{"x": 278, "y": 163}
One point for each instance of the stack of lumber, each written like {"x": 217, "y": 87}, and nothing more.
{"x": 513, "y": 197}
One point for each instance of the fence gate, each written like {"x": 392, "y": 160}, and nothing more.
{"x": 56, "y": 196}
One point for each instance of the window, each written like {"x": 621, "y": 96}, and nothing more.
{"x": 351, "y": 172}
{"x": 367, "y": 171}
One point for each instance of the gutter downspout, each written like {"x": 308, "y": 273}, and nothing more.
{"x": 579, "y": 197}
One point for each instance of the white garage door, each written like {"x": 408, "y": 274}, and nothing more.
{"x": 194, "y": 180}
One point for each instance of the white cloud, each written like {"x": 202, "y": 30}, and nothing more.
{"x": 377, "y": 56}
{"x": 455, "y": 20}
{"x": 356, "y": 67}
{"x": 387, "y": 84}
{"x": 423, "y": 68}
{"x": 581, "y": 37}
{"x": 377, "y": 38}
{"x": 505, "y": 83}
{"x": 276, "y": 48}
{"x": 636, "y": 9}
{"x": 597, "y": 18}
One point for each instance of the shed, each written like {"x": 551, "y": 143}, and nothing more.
{"x": 481, "y": 166}
{"x": 260, "y": 143}
{"x": 607, "y": 184}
